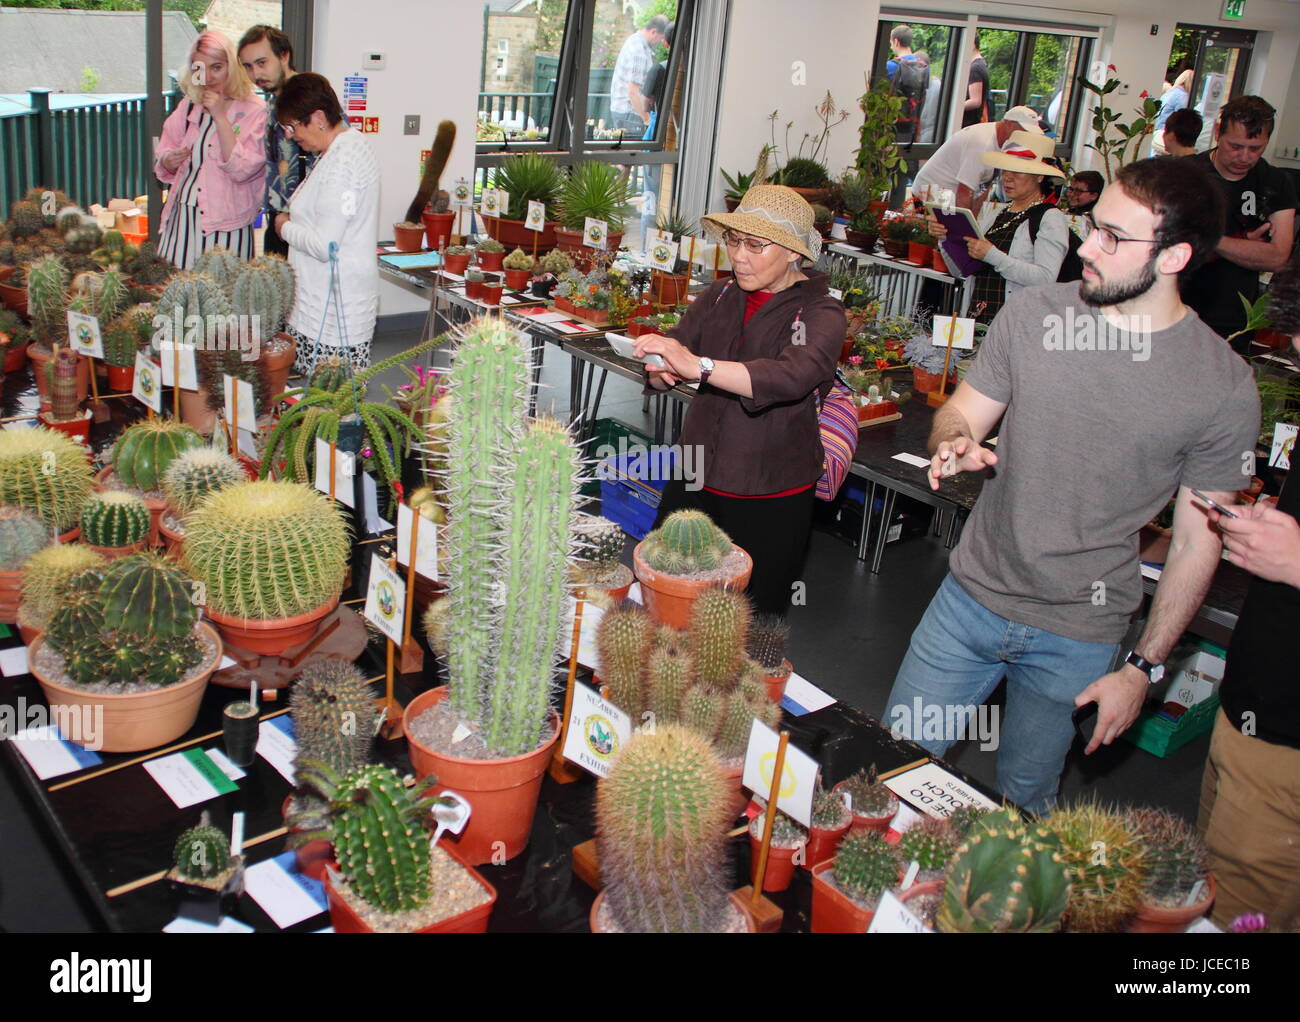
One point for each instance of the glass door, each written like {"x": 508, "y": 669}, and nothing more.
{"x": 1218, "y": 59}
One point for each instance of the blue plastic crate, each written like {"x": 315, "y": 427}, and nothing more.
{"x": 630, "y": 488}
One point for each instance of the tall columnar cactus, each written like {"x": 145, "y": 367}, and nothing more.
{"x": 148, "y": 596}
{"x": 266, "y": 549}
{"x": 668, "y": 674}
{"x": 196, "y": 473}
{"x": 766, "y": 641}
{"x": 114, "y": 518}
{"x": 686, "y": 543}
{"x": 221, "y": 264}
{"x": 380, "y": 833}
{"x": 1176, "y": 855}
{"x": 623, "y": 642}
{"x": 21, "y": 535}
{"x": 51, "y": 572}
{"x": 333, "y": 715}
{"x": 1005, "y": 878}
{"x": 61, "y": 370}
{"x": 202, "y": 852}
{"x": 284, "y": 278}
{"x": 1105, "y": 863}
{"x": 661, "y": 819}
{"x": 145, "y": 451}
{"x": 866, "y": 865}
{"x": 719, "y": 623}
{"x": 255, "y": 292}
{"x": 45, "y": 472}
{"x": 47, "y": 298}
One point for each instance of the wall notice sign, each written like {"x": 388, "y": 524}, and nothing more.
{"x": 147, "y": 388}
{"x": 798, "y": 773}
{"x": 536, "y": 216}
{"x": 356, "y": 121}
{"x": 963, "y": 332}
{"x": 370, "y": 126}
{"x": 83, "y": 331}
{"x": 936, "y": 792}
{"x": 385, "y": 599}
{"x": 1233, "y": 10}
{"x": 594, "y": 233}
{"x": 1284, "y": 435}
{"x": 426, "y": 542}
{"x": 597, "y": 731}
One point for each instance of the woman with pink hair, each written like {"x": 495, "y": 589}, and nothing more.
{"x": 213, "y": 155}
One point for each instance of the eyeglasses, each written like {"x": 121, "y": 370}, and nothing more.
{"x": 1075, "y": 188}
{"x": 292, "y": 127}
{"x": 753, "y": 245}
{"x": 1109, "y": 241}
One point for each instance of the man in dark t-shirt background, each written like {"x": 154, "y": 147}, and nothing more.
{"x": 978, "y": 108}
{"x": 1260, "y": 226}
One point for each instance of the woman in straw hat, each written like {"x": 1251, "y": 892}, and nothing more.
{"x": 762, "y": 346}
{"x": 1026, "y": 238}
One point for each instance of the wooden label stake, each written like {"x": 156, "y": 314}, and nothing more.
{"x": 561, "y": 770}
{"x": 412, "y": 654}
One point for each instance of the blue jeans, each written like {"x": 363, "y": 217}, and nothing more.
{"x": 958, "y": 654}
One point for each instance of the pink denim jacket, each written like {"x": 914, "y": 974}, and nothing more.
{"x": 231, "y": 192}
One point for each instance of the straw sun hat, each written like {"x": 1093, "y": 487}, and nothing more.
{"x": 774, "y": 213}
{"x": 1024, "y": 153}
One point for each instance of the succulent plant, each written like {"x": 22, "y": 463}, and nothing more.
{"x": 333, "y": 715}
{"x": 593, "y": 189}
{"x": 221, "y": 265}
{"x": 623, "y": 641}
{"x": 687, "y": 542}
{"x": 197, "y": 472}
{"x": 69, "y": 218}
{"x": 1176, "y": 855}
{"x": 490, "y": 245}
{"x": 194, "y": 294}
{"x": 51, "y": 572}
{"x": 828, "y": 809}
{"x": 145, "y": 451}
{"x": 148, "y": 596}
{"x": 256, "y": 291}
{"x": 45, "y": 472}
{"x": 661, "y": 819}
{"x": 21, "y": 535}
{"x": 702, "y": 710}
{"x": 202, "y": 852}
{"x": 556, "y": 262}
{"x": 599, "y": 544}
{"x": 669, "y": 673}
{"x": 26, "y": 218}
{"x": 732, "y": 735}
{"x": 475, "y": 276}
{"x": 61, "y": 376}
{"x": 786, "y": 833}
{"x": 1005, "y": 878}
{"x": 266, "y": 550}
{"x": 119, "y": 658}
{"x": 109, "y": 294}
{"x": 1105, "y": 864}
{"x": 78, "y": 617}
{"x": 331, "y": 374}
{"x": 866, "y": 865}
{"x": 870, "y": 796}
{"x": 121, "y": 341}
{"x": 84, "y": 239}
{"x": 379, "y": 830}
{"x": 47, "y": 298}
{"x": 517, "y": 260}
{"x": 963, "y": 819}
{"x": 114, "y": 518}
{"x": 766, "y": 641}
{"x": 719, "y": 623}
{"x": 929, "y": 843}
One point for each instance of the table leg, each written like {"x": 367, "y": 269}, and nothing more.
{"x": 886, "y": 516}
{"x": 589, "y": 430}
{"x": 679, "y": 414}
{"x": 867, "y": 511}
{"x": 577, "y": 367}
{"x": 538, "y": 357}
{"x": 954, "y": 530}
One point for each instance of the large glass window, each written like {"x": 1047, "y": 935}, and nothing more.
{"x": 521, "y": 61}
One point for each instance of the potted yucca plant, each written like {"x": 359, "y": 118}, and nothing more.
{"x": 526, "y": 177}
{"x": 669, "y": 289}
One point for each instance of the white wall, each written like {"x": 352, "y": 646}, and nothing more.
{"x": 433, "y": 54}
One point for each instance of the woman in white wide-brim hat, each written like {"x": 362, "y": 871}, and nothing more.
{"x": 1026, "y": 238}
{"x": 762, "y": 347}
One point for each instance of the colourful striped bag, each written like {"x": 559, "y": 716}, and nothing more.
{"x": 838, "y": 421}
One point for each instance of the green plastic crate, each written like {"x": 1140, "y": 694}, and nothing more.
{"x": 1160, "y": 737}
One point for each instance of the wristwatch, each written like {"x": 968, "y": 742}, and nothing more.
{"x": 706, "y": 367}
{"x": 1154, "y": 672}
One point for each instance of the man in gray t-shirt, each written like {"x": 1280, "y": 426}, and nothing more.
{"x": 1112, "y": 395}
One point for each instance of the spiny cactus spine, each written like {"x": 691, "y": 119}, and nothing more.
{"x": 702, "y": 710}
{"x": 196, "y": 473}
{"x": 333, "y": 715}
{"x": 255, "y": 292}
{"x": 46, "y": 472}
{"x": 202, "y": 852}
{"x": 47, "y": 298}
{"x": 1176, "y": 855}
{"x": 146, "y": 449}
{"x": 79, "y": 618}
{"x": 220, "y": 264}
{"x": 829, "y": 810}
{"x": 719, "y": 623}
{"x": 866, "y": 865}
{"x": 687, "y": 542}
{"x": 114, "y": 519}
{"x": 1105, "y": 863}
{"x": 21, "y": 535}
{"x": 148, "y": 596}
{"x": 284, "y": 277}
{"x": 623, "y": 642}
{"x": 930, "y": 843}
{"x": 661, "y": 818}
{"x": 766, "y": 641}
{"x": 735, "y": 727}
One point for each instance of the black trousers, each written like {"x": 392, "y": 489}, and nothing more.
{"x": 773, "y": 530}
{"x": 272, "y": 243}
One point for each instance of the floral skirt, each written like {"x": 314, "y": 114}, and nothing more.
{"x": 311, "y": 352}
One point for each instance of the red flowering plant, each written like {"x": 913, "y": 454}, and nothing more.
{"x": 1122, "y": 146}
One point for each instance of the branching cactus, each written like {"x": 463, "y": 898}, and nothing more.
{"x": 379, "y": 830}
{"x": 79, "y": 617}
{"x": 46, "y": 472}
{"x": 145, "y": 451}
{"x": 661, "y": 819}
{"x": 1005, "y": 878}
{"x": 114, "y": 519}
{"x": 686, "y": 543}
{"x": 1176, "y": 855}
{"x": 1105, "y": 863}
{"x": 719, "y": 623}
{"x": 623, "y": 645}
{"x": 196, "y": 473}
{"x": 109, "y": 294}
{"x": 736, "y": 725}
{"x": 202, "y": 852}
{"x": 21, "y": 535}
{"x": 47, "y": 298}
{"x": 866, "y": 865}
{"x": 766, "y": 641}
{"x": 333, "y": 715}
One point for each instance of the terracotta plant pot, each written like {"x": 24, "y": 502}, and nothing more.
{"x": 736, "y": 900}
{"x": 779, "y": 870}
{"x": 596, "y": 317}
{"x": 492, "y": 294}
{"x": 740, "y": 796}
{"x": 40, "y": 357}
{"x": 513, "y": 234}
{"x": 570, "y": 242}
{"x": 474, "y": 289}
{"x": 926, "y": 383}
{"x": 669, "y": 598}
{"x": 276, "y": 366}
{"x": 517, "y": 280}
{"x": 822, "y": 842}
{"x": 833, "y": 911}
{"x": 474, "y": 920}
{"x": 15, "y": 357}
{"x": 861, "y": 821}
{"x": 732, "y": 202}
{"x": 273, "y": 636}
{"x": 489, "y": 260}
{"x": 172, "y": 540}
{"x": 139, "y": 720}
{"x": 876, "y": 208}
{"x": 457, "y": 264}
{"x": 776, "y": 682}
{"x": 14, "y": 297}
{"x": 112, "y": 553}
{"x": 1154, "y": 919}
{"x": 155, "y": 505}
{"x": 11, "y": 594}
{"x": 437, "y": 228}
{"x": 669, "y": 288}
{"x": 195, "y": 411}
{"x": 874, "y": 411}
{"x": 502, "y": 792}
{"x": 408, "y": 239}
{"x": 920, "y": 254}
{"x": 121, "y": 379}
{"x": 918, "y": 891}
{"x": 865, "y": 240}
{"x": 936, "y": 260}
{"x": 78, "y": 428}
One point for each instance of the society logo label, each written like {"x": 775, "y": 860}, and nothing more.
{"x": 387, "y": 599}
{"x": 601, "y": 737}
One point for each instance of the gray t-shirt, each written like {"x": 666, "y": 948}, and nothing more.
{"x": 1096, "y": 438}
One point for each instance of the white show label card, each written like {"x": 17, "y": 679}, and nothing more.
{"x": 663, "y": 255}
{"x": 594, "y": 233}
{"x": 49, "y": 754}
{"x": 189, "y": 777}
{"x": 591, "y": 615}
{"x": 276, "y": 745}
{"x": 963, "y": 332}
{"x": 227, "y": 925}
{"x": 892, "y": 916}
{"x": 426, "y": 542}
{"x": 835, "y": 293}
{"x": 345, "y": 464}
{"x": 169, "y": 356}
{"x": 284, "y": 896}
{"x": 597, "y": 731}
{"x": 934, "y": 791}
{"x": 1284, "y": 435}
{"x": 912, "y": 459}
{"x": 656, "y": 236}
{"x": 13, "y": 661}
{"x": 147, "y": 386}
{"x": 370, "y": 504}
{"x": 689, "y": 246}
{"x": 536, "y": 218}
{"x": 487, "y": 202}
{"x": 461, "y": 193}
{"x": 503, "y": 202}
{"x": 450, "y": 814}
{"x": 798, "y": 773}
{"x": 802, "y": 696}
{"x": 83, "y": 332}
{"x": 385, "y": 599}
{"x": 247, "y": 408}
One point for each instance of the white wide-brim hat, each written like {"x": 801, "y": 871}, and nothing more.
{"x": 1024, "y": 153}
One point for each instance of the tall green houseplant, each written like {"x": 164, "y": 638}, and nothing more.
{"x": 878, "y": 159}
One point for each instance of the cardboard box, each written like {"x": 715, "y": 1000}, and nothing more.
{"x": 1192, "y": 675}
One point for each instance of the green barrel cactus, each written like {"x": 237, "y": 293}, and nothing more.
{"x": 193, "y": 294}
{"x": 79, "y": 617}
{"x": 719, "y": 623}
{"x": 1005, "y": 878}
{"x": 1176, "y": 855}
{"x": 145, "y": 451}
{"x": 379, "y": 830}
{"x": 114, "y": 518}
{"x": 866, "y": 865}
{"x": 21, "y": 535}
{"x": 26, "y": 218}
{"x": 53, "y": 571}
{"x": 687, "y": 542}
{"x": 267, "y": 550}
{"x": 1105, "y": 864}
{"x": 201, "y": 853}
{"x": 623, "y": 642}
{"x": 661, "y": 821}
{"x": 196, "y": 473}
{"x": 122, "y": 659}
{"x": 929, "y": 843}
{"x": 333, "y": 715}
{"x": 45, "y": 472}
{"x": 147, "y": 595}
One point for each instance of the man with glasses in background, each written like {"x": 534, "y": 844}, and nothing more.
{"x": 1100, "y": 389}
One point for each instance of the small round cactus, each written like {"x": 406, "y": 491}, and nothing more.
{"x": 147, "y": 595}
{"x": 51, "y": 572}
{"x": 21, "y": 535}
{"x": 333, "y": 714}
{"x": 766, "y": 641}
{"x": 145, "y": 451}
{"x": 866, "y": 865}
{"x": 929, "y": 843}
{"x": 201, "y": 853}
{"x": 196, "y": 473}
{"x": 870, "y": 797}
{"x": 1105, "y": 864}
{"x": 114, "y": 518}
{"x": 331, "y": 374}
{"x": 1176, "y": 855}
{"x": 687, "y": 542}
{"x": 80, "y": 616}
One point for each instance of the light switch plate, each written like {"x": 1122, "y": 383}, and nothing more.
{"x": 373, "y": 61}
{"x": 411, "y": 124}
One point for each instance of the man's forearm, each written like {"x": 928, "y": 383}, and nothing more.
{"x": 1179, "y": 594}
{"x": 949, "y": 424}
{"x": 1253, "y": 255}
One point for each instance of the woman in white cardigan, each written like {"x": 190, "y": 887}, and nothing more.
{"x": 332, "y": 224}
{"x": 1026, "y": 238}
